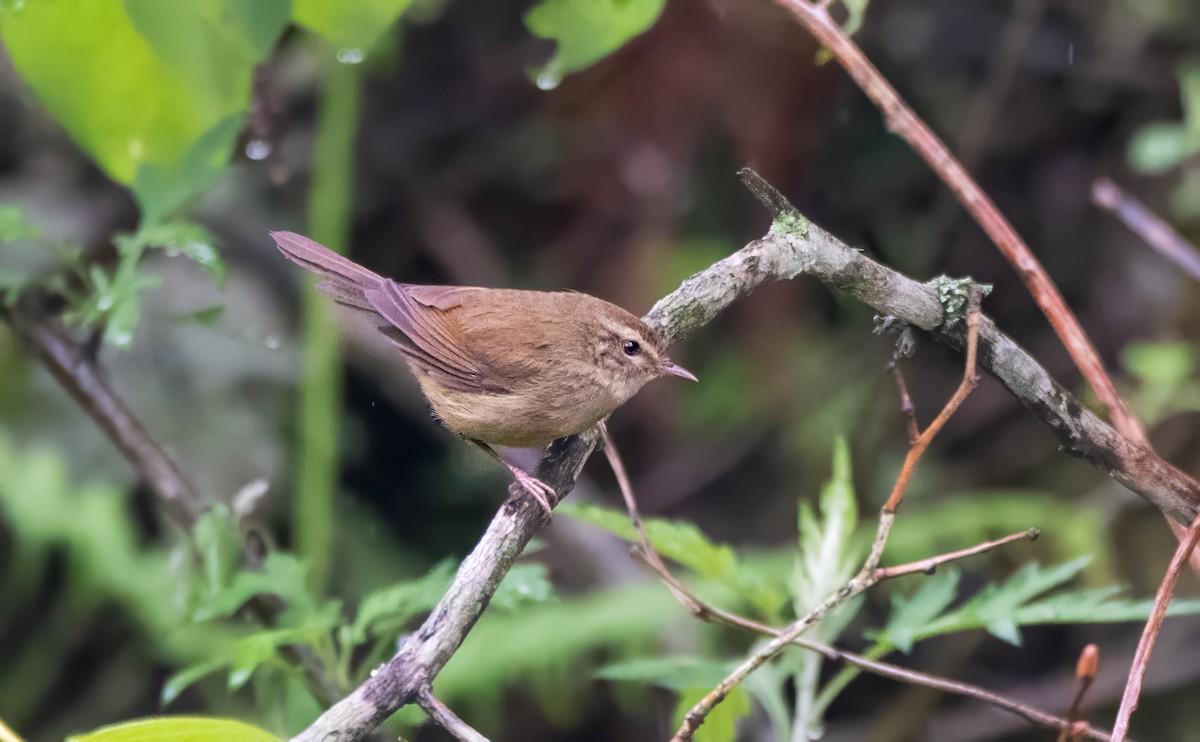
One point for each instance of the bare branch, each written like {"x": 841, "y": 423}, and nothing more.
{"x": 928, "y": 566}
{"x": 869, "y": 574}
{"x": 81, "y": 376}
{"x": 902, "y": 121}
{"x": 448, "y": 720}
{"x": 1149, "y": 226}
{"x": 793, "y": 247}
{"x": 1162, "y": 599}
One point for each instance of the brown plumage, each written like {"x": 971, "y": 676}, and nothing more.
{"x": 510, "y": 370}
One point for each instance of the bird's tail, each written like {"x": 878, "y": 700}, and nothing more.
{"x": 345, "y": 279}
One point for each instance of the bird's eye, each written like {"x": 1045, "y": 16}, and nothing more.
{"x": 632, "y": 348}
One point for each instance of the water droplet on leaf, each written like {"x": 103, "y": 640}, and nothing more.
{"x": 257, "y": 149}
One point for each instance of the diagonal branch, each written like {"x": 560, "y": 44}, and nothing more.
{"x": 77, "y": 372}
{"x": 76, "y": 369}
{"x": 902, "y": 121}
{"x": 792, "y": 247}
{"x": 1162, "y": 599}
{"x": 869, "y": 575}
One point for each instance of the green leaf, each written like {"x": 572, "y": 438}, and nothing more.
{"x": 587, "y": 31}
{"x": 1165, "y": 363}
{"x": 187, "y": 239}
{"x": 352, "y": 28}
{"x": 827, "y": 556}
{"x": 14, "y": 226}
{"x": 219, "y": 545}
{"x": 677, "y": 673}
{"x": 682, "y": 542}
{"x": 1189, "y": 93}
{"x": 910, "y": 616}
{"x": 524, "y": 583}
{"x": 385, "y": 611}
{"x": 1159, "y": 146}
{"x": 282, "y": 575}
{"x": 177, "y": 729}
{"x": 856, "y": 10}
{"x": 138, "y": 83}
{"x": 162, "y": 188}
{"x": 180, "y": 681}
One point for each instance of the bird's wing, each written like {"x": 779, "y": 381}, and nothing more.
{"x": 422, "y": 327}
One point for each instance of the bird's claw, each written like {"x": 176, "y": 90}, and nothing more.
{"x": 536, "y": 488}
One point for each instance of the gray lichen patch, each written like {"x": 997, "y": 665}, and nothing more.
{"x": 789, "y": 223}
{"x": 954, "y": 294}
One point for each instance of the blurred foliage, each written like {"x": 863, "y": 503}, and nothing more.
{"x": 1165, "y": 379}
{"x": 177, "y": 729}
{"x": 97, "y": 298}
{"x": 586, "y": 31}
{"x": 159, "y": 95}
{"x": 828, "y": 554}
{"x": 154, "y": 92}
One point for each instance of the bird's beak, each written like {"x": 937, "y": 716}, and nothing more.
{"x": 674, "y": 370}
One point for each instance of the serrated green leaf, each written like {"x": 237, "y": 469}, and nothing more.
{"x": 677, "y": 673}
{"x": 187, "y": 239}
{"x": 282, "y": 575}
{"x": 385, "y": 611}
{"x": 177, "y": 729}
{"x": 681, "y": 542}
{"x": 587, "y": 31}
{"x": 913, "y": 614}
{"x": 349, "y": 27}
{"x": 827, "y": 555}
{"x": 524, "y": 583}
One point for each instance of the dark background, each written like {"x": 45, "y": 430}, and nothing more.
{"x": 619, "y": 183}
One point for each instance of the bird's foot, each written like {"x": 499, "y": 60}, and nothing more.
{"x": 536, "y": 488}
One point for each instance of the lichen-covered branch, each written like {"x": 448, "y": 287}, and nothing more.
{"x": 791, "y": 248}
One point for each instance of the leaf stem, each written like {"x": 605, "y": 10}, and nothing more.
{"x": 321, "y": 387}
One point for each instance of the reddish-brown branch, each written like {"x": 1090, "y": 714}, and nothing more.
{"x": 1162, "y": 599}
{"x": 928, "y": 566}
{"x": 707, "y": 612}
{"x": 869, "y": 574}
{"x": 1085, "y": 673}
{"x": 902, "y": 121}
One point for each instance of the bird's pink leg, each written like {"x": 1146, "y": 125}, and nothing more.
{"x": 538, "y": 489}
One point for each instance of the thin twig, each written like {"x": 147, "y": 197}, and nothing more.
{"x": 906, "y": 404}
{"x": 448, "y": 720}
{"x": 1086, "y": 670}
{"x": 930, "y": 565}
{"x": 794, "y": 249}
{"x": 1162, "y": 599}
{"x": 1149, "y": 226}
{"x": 901, "y": 120}
{"x": 869, "y": 574}
{"x": 708, "y": 612}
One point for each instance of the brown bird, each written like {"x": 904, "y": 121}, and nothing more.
{"x": 508, "y": 370}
